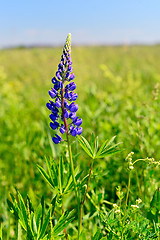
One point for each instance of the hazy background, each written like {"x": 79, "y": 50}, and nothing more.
{"x": 37, "y": 22}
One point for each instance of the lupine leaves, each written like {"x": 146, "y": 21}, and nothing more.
{"x": 46, "y": 176}
{"x": 62, "y": 223}
{"x": 33, "y": 223}
{"x": 92, "y": 149}
{"x": 56, "y": 177}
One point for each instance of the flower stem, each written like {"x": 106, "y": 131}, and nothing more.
{"x": 87, "y": 184}
{"x": 75, "y": 187}
{"x": 65, "y": 231}
{"x": 82, "y": 203}
{"x": 71, "y": 163}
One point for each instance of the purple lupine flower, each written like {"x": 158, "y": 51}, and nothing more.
{"x": 72, "y": 86}
{"x": 57, "y": 139}
{"x": 77, "y": 121}
{"x": 73, "y": 107}
{"x": 72, "y": 115}
{"x": 62, "y": 129}
{"x": 63, "y": 113}
{"x": 52, "y": 93}
{"x": 79, "y": 130}
{"x": 54, "y": 125}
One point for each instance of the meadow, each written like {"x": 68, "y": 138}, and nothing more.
{"x": 118, "y": 95}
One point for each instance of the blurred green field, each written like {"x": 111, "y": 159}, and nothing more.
{"x": 118, "y": 89}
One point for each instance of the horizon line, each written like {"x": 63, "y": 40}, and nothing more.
{"x": 78, "y": 45}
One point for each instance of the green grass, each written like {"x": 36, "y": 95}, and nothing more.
{"x": 118, "y": 90}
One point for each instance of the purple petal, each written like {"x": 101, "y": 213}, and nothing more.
{"x": 54, "y": 125}
{"x": 79, "y": 130}
{"x": 52, "y": 93}
{"x": 72, "y": 86}
{"x": 62, "y": 129}
{"x": 72, "y": 115}
{"x": 71, "y": 77}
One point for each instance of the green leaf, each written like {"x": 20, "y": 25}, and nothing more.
{"x": 45, "y": 238}
{"x": 53, "y": 203}
{"x": 106, "y": 150}
{"x": 97, "y": 235}
{"x": 45, "y": 224}
{"x": 43, "y": 206}
{"x": 95, "y": 146}
{"x": 45, "y": 175}
{"x": 38, "y": 215}
{"x": 70, "y": 182}
{"x": 55, "y": 172}
{"x": 31, "y": 209}
{"x": 108, "y": 153}
{"x": 12, "y": 208}
{"x": 33, "y": 224}
{"x": 61, "y": 174}
{"x": 83, "y": 181}
{"x": 106, "y": 144}
{"x": 92, "y": 142}
{"x": 24, "y": 217}
{"x": 15, "y": 206}
{"x": 19, "y": 237}
{"x": 85, "y": 145}
{"x": 1, "y": 233}
{"x": 49, "y": 167}
{"x": 62, "y": 223}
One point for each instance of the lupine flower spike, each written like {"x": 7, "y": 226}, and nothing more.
{"x": 62, "y": 106}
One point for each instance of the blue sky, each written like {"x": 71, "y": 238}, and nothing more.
{"x": 89, "y": 21}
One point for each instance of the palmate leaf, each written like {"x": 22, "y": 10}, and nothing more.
{"x": 105, "y": 145}
{"x": 52, "y": 170}
{"x": 49, "y": 167}
{"x": 105, "y": 150}
{"x": 85, "y": 145}
{"x": 70, "y": 181}
{"x": 38, "y": 215}
{"x": 45, "y": 175}
{"x": 45, "y": 224}
{"x": 24, "y": 216}
{"x": 55, "y": 172}
{"x": 17, "y": 211}
{"x": 62, "y": 223}
{"x": 23, "y": 209}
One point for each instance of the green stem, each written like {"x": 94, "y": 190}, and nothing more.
{"x": 71, "y": 162}
{"x": 65, "y": 231}
{"x": 82, "y": 203}
{"x": 87, "y": 183}
{"x": 75, "y": 186}
{"x": 129, "y": 183}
